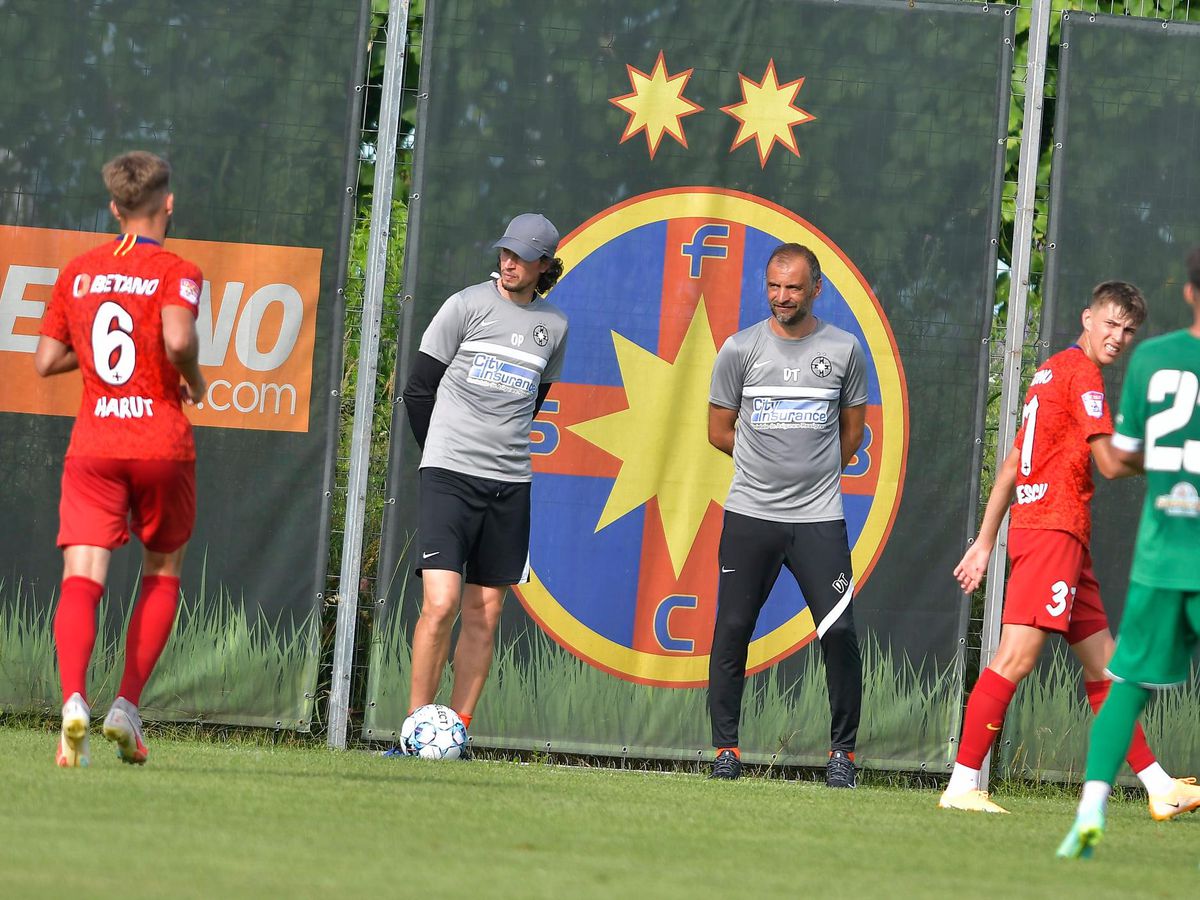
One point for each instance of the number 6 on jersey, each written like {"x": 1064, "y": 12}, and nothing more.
{"x": 112, "y": 343}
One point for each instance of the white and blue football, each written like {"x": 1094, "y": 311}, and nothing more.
{"x": 434, "y": 732}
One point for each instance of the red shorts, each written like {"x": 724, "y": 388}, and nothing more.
{"x": 104, "y": 499}
{"x": 1051, "y": 585}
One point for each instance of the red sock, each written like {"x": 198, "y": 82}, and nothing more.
{"x": 75, "y": 632}
{"x": 149, "y": 628}
{"x": 1140, "y": 755}
{"x": 736, "y": 751}
{"x": 466, "y": 720}
{"x": 984, "y": 717}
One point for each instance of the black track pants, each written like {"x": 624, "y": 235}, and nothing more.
{"x": 752, "y": 553}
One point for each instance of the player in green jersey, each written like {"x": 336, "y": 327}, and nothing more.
{"x": 1158, "y": 429}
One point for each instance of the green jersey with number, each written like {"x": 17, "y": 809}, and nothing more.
{"x": 1160, "y": 416}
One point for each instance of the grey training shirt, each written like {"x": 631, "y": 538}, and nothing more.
{"x": 497, "y": 353}
{"x": 787, "y": 451}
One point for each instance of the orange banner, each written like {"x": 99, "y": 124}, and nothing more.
{"x": 257, "y": 325}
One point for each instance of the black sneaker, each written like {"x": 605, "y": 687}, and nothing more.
{"x": 727, "y": 766}
{"x": 839, "y": 771}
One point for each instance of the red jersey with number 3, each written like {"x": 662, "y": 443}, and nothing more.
{"x": 107, "y": 306}
{"x": 1065, "y": 406}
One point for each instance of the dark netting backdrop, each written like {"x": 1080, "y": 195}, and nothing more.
{"x": 674, "y": 146}
{"x": 1125, "y": 204}
{"x": 252, "y": 104}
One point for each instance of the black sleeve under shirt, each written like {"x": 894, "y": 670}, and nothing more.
{"x": 420, "y": 393}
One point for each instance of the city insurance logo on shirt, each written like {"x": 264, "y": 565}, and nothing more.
{"x": 257, "y": 324}
{"x": 627, "y": 491}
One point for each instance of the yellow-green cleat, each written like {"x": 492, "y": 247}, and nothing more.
{"x": 1083, "y": 837}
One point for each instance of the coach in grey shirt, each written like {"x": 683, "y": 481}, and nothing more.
{"x": 485, "y": 364}
{"x": 796, "y": 389}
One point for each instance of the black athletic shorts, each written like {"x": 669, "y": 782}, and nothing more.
{"x": 475, "y": 526}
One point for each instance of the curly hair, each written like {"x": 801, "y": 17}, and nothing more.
{"x": 137, "y": 181}
{"x": 549, "y": 278}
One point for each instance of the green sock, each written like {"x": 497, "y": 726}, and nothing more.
{"x": 1113, "y": 730}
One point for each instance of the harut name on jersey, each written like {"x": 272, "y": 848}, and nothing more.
{"x": 502, "y": 375}
{"x": 771, "y": 413}
{"x": 124, "y": 408}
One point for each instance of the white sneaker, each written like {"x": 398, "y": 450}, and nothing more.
{"x": 73, "y": 741}
{"x": 123, "y": 726}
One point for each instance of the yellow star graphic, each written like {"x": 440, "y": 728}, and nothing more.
{"x": 662, "y": 438}
{"x": 767, "y": 113}
{"x": 656, "y": 104}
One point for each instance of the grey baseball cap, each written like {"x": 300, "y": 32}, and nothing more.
{"x": 531, "y": 236}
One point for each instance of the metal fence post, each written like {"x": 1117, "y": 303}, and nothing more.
{"x": 368, "y": 360}
{"x": 1014, "y": 330}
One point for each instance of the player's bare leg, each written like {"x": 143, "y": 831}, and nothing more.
{"x": 150, "y": 627}
{"x": 1020, "y": 647}
{"x": 431, "y": 636}
{"x": 1168, "y": 797}
{"x": 1094, "y": 653}
{"x": 168, "y": 564}
{"x": 1015, "y": 658}
{"x": 481, "y": 608}
{"x": 85, "y": 568}
{"x": 83, "y": 561}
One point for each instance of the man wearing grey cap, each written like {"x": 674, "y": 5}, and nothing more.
{"x": 485, "y": 365}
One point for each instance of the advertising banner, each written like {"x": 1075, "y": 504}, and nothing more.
{"x": 257, "y": 319}
{"x": 674, "y": 150}
{"x": 253, "y": 107}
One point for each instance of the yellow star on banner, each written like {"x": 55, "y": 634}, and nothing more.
{"x": 656, "y": 104}
{"x": 767, "y": 113}
{"x": 662, "y": 438}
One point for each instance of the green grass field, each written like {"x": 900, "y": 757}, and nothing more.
{"x": 249, "y": 819}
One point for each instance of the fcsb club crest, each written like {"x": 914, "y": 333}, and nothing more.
{"x": 627, "y": 492}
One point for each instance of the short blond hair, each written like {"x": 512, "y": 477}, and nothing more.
{"x": 137, "y": 182}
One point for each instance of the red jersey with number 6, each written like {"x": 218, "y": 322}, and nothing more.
{"x": 107, "y": 306}
{"x": 1064, "y": 408}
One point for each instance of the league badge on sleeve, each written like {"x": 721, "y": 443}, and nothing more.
{"x": 189, "y": 291}
{"x": 1093, "y": 404}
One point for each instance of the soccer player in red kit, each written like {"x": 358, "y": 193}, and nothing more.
{"x": 1051, "y": 587}
{"x": 124, "y": 314}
